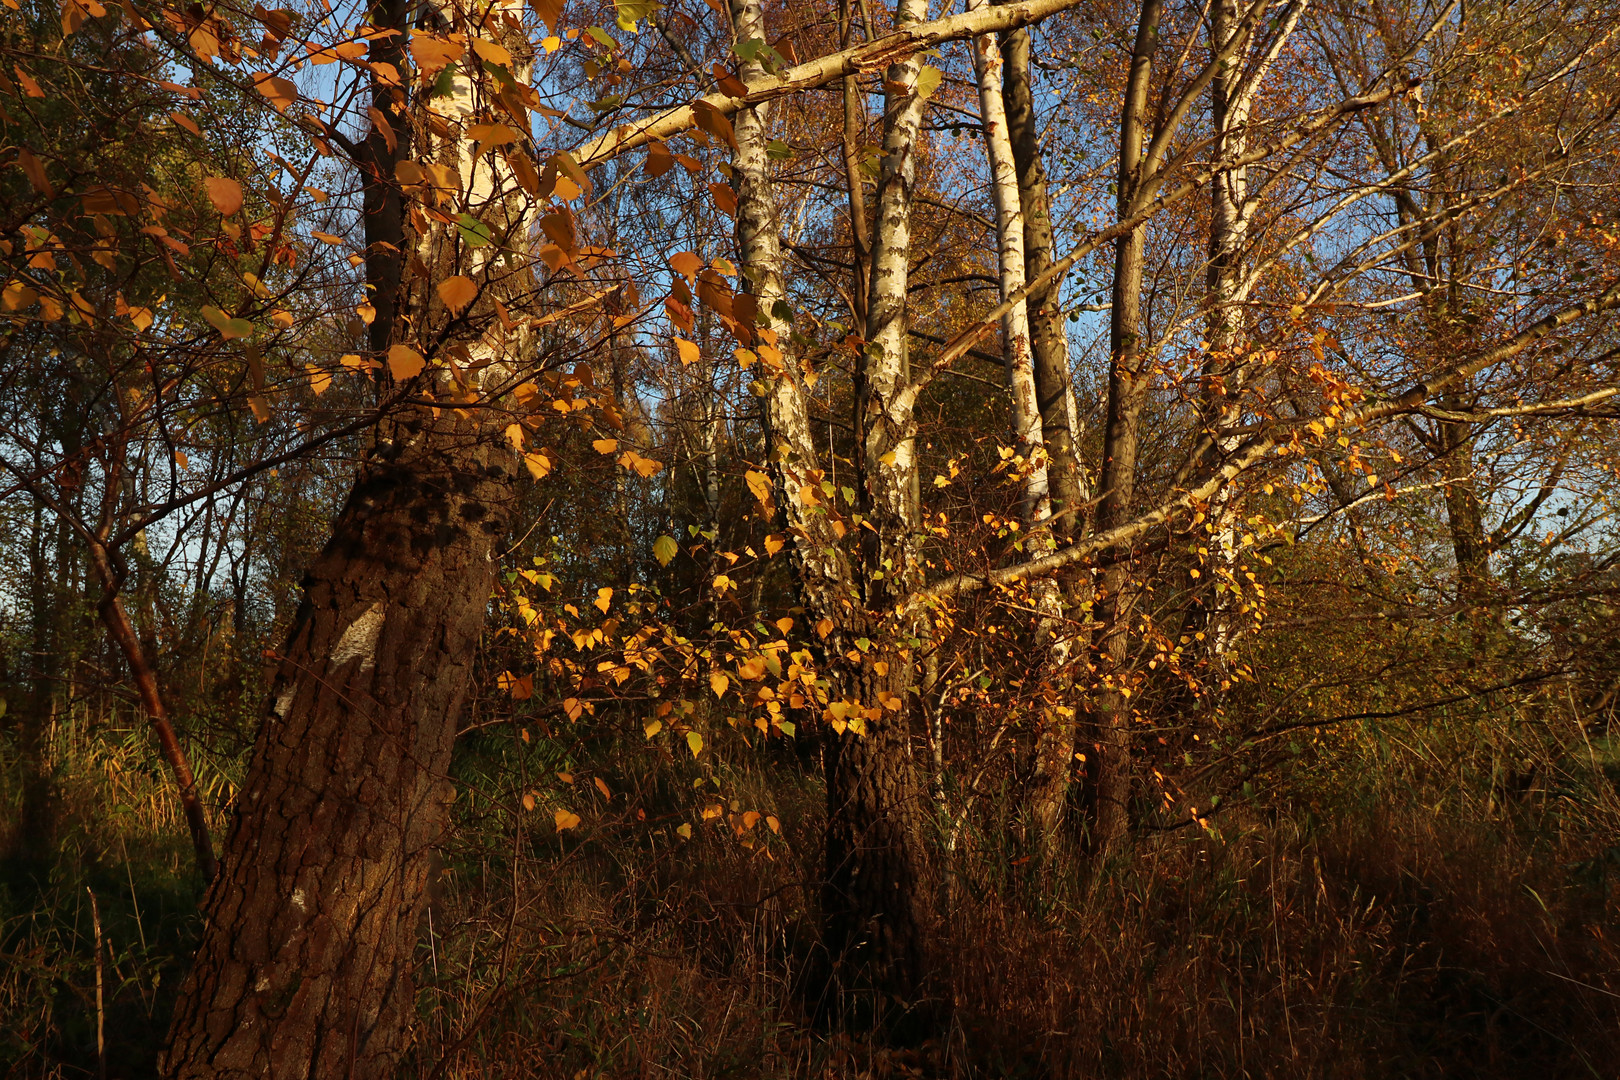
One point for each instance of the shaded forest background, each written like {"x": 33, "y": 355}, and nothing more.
{"x": 1331, "y": 664}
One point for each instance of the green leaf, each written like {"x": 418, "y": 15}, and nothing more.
{"x": 602, "y": 37}
{"x": 863, "y": 644}
{"x": 664, "y": 549}
{"x": 474, "y": 233}
{"x": 228, "y": 327}
{"x": 779, "y": 150}
{"x": 787, "y": 727}
{"x": 695, "y": 741}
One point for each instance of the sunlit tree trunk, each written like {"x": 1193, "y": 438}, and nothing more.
{"x": 1052, "y": 762}
{"x": 876, "y": 891}
{"x": 305, "y": 965}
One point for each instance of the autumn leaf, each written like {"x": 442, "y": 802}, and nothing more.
{"x": 281, "y": 92}
{"x": 665, "y": 549}
{"x": 725, "y": 199}
{"x": 35, "y": 172}
{"x": 928, "y": 80}
{"x": 604, "y": 598}
{"x": 225, "y": 194}
{"x": 228, "y": 327}
{"x": 686, "y": 263}
{"x": 694, "y": 742}
{"x": 659, "y": 160}
{"x": 457, "y": 292}
{"x": 538, "y": 464}
{"x": 604, "y": 446}
{"x": 565, "y": 820}
{"x": 689, "y": 352}
{"x": 405, "y": 362}
{"x": 432, "y": 53}
{"x": 718, "y": 682}
{"x": 759, "y": 484}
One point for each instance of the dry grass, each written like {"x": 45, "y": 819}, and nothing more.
{"x": 1417, "y": 930}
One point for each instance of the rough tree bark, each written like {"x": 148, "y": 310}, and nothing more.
{"x": 305, "y": 965}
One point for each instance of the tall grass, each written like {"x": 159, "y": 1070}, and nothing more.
{"x": 1429, "y": 901}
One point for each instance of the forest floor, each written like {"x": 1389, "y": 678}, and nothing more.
{"x": 1418, "y": 929}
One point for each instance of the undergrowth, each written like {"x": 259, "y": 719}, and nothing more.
{"x": 1400, "y": 914}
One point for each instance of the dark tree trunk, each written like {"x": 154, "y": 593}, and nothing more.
{"x": 305, "y": 964}
{"x": 1128, "y": 382}
{"x": 878, "y": 885}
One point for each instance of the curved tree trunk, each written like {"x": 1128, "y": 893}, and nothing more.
{"x": 305, "y": 965}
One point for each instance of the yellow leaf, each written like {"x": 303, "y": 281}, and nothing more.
{"x": 690, "y": 353}
{"x": 773, "y": 544}
{"x": 514, "y": 435}
{"x": 225, "y": 194}
{"x": 718, "y": 683}
{"x": 605, "y": 446}
{"x": 457, "y": 292}
{"x": 712, "y": 811}
{"x": 752, "y": 668}
{"x": 490, "y": 52}
{"x": 405, "y": 362}
{"x": 552, "y": 43}
{"x": 653, "y": 727}
{"x": 572, "y": 708}
{"x": 565, "y": 820}
{"x": 759, "y": 484}
{"x": 367, "y": 312}
{"x": 784, "y": 624}
{"x": 695, "y": 742}
{"x": 824, "y": 627}
{"x": 684, "y": 832}
{"x": 319, "y": 380}
{"x": 538, "y": 464}
{"x": 604, "y": 598}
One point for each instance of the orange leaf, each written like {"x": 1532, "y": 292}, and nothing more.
{"x": 686, "y": 263}
{"x": 405, "y": 362}
{"x": 605, "y": 446}
{"x": 457, "y": 292}
{"x": 224, "y": 193}
{"x": 565, "y": 820}
{"x": 281, "y": 92}
{"x": 659, "y": 160}
{"x": 724, "y": 199}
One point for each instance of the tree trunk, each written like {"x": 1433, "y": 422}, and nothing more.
{"x": 306, "y": 958}
{"x": 305, "y": 965}
{"x": 1128, "y": 383}
{"x": 1052, "y": 762}
{"x": 876, "y": 897}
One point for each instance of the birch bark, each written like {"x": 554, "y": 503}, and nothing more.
{"x": 876, "y": 892}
